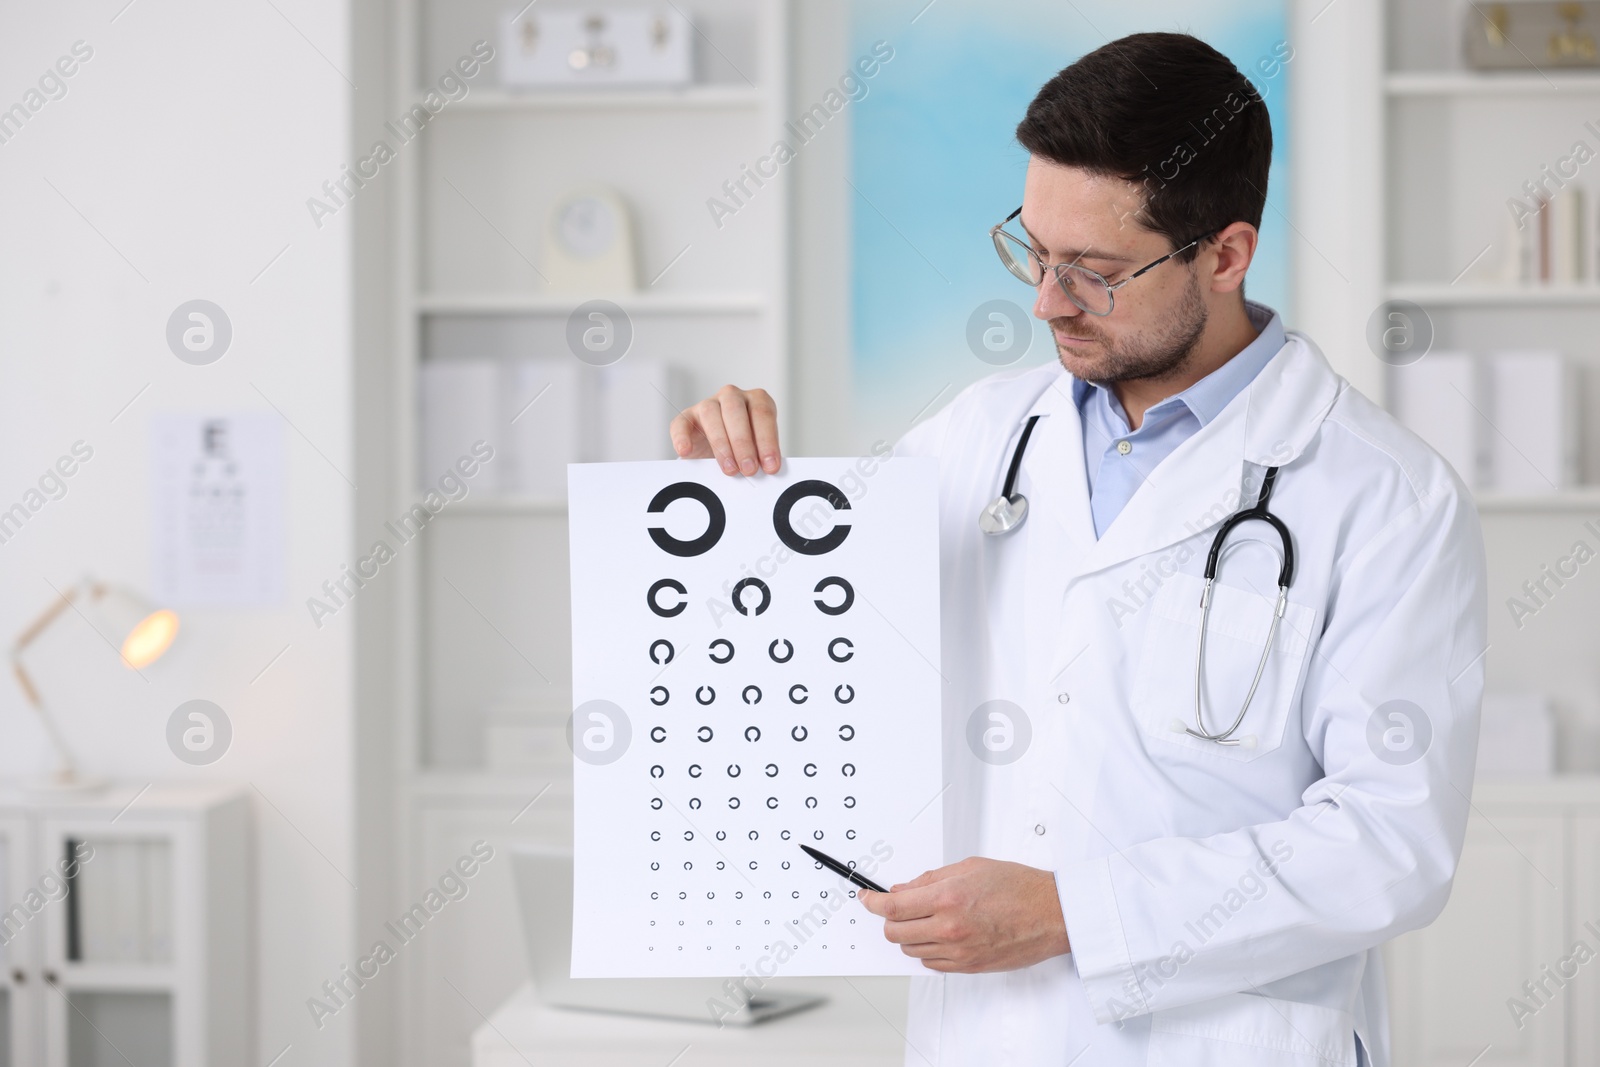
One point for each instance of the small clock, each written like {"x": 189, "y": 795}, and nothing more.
{"x": 590, "y": 243}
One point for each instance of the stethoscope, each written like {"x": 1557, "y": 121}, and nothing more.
{"x": 1010, "y": 509}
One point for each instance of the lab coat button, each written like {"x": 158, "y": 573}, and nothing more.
{"x": 1124, "y": 447}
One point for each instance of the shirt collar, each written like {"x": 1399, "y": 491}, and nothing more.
{"x": 1206, "y": 398}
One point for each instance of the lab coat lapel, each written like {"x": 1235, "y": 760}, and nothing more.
{"x": 1053, "y": 473}
{"x": 1198, "y": 485}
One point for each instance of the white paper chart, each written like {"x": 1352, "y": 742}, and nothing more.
{"x": 754, "y": 667}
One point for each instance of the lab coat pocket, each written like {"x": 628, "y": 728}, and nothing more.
{"x": 1236, "y": 632}
{"x": 1245, "y": 1030}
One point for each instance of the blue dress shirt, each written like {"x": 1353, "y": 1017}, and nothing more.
{"x": 1117, "y": 460}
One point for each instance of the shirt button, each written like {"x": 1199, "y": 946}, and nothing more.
{"x": 1038, "y": 828}
{"x": 1124, "y": 447}
{"x": 1063, "y": 697}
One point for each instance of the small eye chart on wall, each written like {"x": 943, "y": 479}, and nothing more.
{"x": 754, "y": 667}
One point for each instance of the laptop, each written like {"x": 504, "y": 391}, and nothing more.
{"x": 544, "y": 891}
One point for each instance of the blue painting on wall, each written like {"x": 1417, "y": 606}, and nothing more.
{"x": 935, "y": 163}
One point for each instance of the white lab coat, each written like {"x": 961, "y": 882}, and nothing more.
{"x": 1224, "y": 905}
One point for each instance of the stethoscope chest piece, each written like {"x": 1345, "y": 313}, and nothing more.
{"x": 1010, "y": 507}
{"x": 1004, "y": 515}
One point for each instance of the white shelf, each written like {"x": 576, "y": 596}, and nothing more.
{"x": 1472, "y": 83}
{"x": 1490, "y": 294}
{"x": 693, "y": 98}
{"x": 562, "y": 304}
{"x": 1583, "y": 498}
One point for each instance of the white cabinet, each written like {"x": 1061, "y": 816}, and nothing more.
{"x": 1496, "y": 981}
{"x": 127, "y": 928}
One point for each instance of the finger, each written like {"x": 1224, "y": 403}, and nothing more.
{"x": 913, "y": 932}
{"x": 907, "y": 904}
{"x": 736, "y": 421}
{"x": 927, "y": 950}
{"x": 687, "y": 440}
{"x": 708, "y": 414}
{"x": 764, "y": 422}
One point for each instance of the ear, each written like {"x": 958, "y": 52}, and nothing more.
{"x": 1234, "y": 246}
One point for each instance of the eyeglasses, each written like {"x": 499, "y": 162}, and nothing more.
{"x": 1085, "y": 288}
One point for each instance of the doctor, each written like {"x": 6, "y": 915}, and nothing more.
{"x": 1172, "y": 861}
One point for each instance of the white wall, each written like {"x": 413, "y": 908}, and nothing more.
{"x": 177, "y": 166}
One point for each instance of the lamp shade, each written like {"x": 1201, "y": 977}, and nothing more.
{"x": 140, "y": 631}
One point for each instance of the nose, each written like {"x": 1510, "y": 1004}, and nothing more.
{"x": 1051, "y": 303}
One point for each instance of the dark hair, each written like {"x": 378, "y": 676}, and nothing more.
{"x": 1166, "y": 110}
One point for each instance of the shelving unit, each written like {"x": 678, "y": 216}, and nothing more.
{"x": 482, "y": 617}
{"x": 150, "y": 963}
{"x": 1456, "y": 144}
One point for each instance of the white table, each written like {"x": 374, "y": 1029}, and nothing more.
{"x": 861, "y": 1025}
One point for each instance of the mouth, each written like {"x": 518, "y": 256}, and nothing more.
{"x": 1068, "y": 340}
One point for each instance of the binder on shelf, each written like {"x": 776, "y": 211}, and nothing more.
{"x": 636, "y": 401}
{"x": 543, "y": 419}
{"x": 1533, "y": 404}
{"x": 458, "y": 404}
{"x": 1437, "y": 398}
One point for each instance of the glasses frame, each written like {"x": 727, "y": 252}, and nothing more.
{"x": 997, "y": 233}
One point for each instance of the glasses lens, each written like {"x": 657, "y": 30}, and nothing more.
{"x": 1086, "y": 289}
{"x": 1018, "y": 258}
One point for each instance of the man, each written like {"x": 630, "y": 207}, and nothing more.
{"x": 1148, "y": 883}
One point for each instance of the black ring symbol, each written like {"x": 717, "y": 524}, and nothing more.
{"x": 772, "y": 802}
{"x": 752, "y": 689}
{"x": 657, "y": 643}
{"x": 733, "y": 770}
{"x": 657, "y": 771}
{"x": 748, "y": 730}
{"x": 688, "y": 835}
{"x": 810, "y": 770}
{"x": 799, "y": 733}
{"x": 704, "y": 734}
{"x": 809, "y": 546}
{"x": 711, "y": 694}
{"x": 655, "y": 803}
{"x": 655, "y": 835}
{"x": 733, "y": 802}
{"x": 848, "y": 770}
{"x": 804, "y": 694}
{"x": 738, "y": 595}
{"x": 822, "y": 605}
{"x": 755, "y": 836}
{"x": 725, "y": 643}
{"x": 772, "y": 650}
{"x": 811, "y": 802}
{"x": 694, "y": 803}
{"x": 839, "y": 692}
{"x": 817, "y": 834}
{"x": 658, "y": 734}
{"x": 847, "y": 732}
{"x": 694, "y": 770}
{"x": 667, "y": 612}
{"x": 785, "y": 835}
{"x": 772, "y": 770}
{"x": 849, "y": 802}
{"x": 664, "y": 695}
{"x": 846, "y": 642}
{"x": 850, "y": 835}
{"x": 716, "y": 518}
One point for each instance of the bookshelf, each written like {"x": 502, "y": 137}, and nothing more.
{"x": 128, "y": 928}
{"x": 481, "y": 651}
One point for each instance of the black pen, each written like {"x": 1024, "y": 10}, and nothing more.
{"x": 842, "y": 871}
